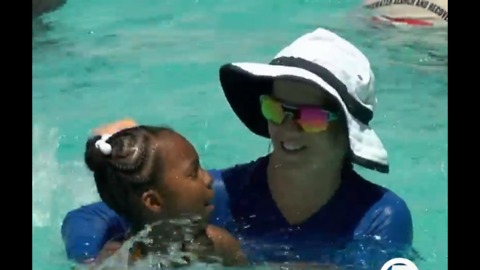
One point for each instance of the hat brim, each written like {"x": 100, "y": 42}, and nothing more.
{"x": 243, "y": 83}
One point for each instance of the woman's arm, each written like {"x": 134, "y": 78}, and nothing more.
{"x": 385, "y": 232}
{"x": 87, "y": 229}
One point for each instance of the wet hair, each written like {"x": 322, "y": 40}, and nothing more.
{"x": 131, "y": 168}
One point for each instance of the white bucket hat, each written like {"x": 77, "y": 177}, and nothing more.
{"x": 328, "y": 61}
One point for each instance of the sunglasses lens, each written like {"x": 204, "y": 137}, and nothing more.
{"x": 272, "y": 110}
{"x": 313, "y": 119}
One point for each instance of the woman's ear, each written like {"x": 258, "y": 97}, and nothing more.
{"x": 152, "y": 201}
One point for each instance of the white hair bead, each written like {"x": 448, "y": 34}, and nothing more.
{"x": 103, "y": 146}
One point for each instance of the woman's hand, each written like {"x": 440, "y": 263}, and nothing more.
{"x": 115, "y": 126}
{"x": 108, "y": 250}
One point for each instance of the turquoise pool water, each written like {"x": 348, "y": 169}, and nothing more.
{"x": 157, "y": 61}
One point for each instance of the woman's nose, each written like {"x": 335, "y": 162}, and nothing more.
{"x": 208, "y": 180}
{"x": 289, "y": 124}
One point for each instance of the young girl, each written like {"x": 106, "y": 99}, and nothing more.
{"x": 153, "y": 175}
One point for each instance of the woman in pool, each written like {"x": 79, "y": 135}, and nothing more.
{"x": 153, "y": 175}
{"x": 304, "y": 201}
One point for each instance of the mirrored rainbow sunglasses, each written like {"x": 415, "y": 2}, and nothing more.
{"x": 309, "y": 118}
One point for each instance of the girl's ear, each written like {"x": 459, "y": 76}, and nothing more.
{"x": 152, "y": 201}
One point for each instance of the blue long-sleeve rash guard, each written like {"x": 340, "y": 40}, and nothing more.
{"x": 363, "y": 224}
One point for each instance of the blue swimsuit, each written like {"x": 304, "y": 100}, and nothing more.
{"x": 362, "y": 225}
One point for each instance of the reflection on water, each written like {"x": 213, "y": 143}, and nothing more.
{"x": 348, "y": 256}
{"x": 418, "y": 47}
{"x": 40, "y": 26}
{"x": 415, "y": 47}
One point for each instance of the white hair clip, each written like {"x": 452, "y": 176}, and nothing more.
{"x": 103, "y": 146}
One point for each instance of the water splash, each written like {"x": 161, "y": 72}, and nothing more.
{"x": 44, "y": 172}
{"x": 174, "y": 255}
{"x": 57, "y": 187}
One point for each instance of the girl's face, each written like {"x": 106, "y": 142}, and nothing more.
{"x": 185, "y": 188}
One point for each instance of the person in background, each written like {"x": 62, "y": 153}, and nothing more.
{"x": 40, "y": 7}
{"x": 304, "y": 202}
